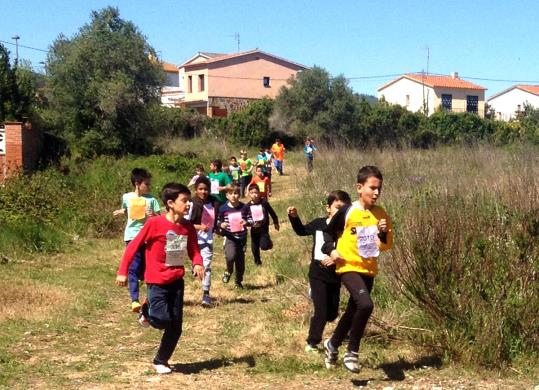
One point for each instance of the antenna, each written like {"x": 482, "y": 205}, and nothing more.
{"x": 237, "y": 39}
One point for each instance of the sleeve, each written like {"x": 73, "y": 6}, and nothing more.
{"x": 124, "y": 202}
{"x": 334, "y": 230}
{"x": 196, "y": 213}
{"x": 227, "y": 180}
{"x": 246, "y": 214}
{"x": 300, "y": 229}
{"x": 134, "y": 246}
{"x": 272, "y": 213}
{"x": 155, "y": 206}
{"x": 192, "y": 245}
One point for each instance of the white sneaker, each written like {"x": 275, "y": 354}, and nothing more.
{"x": 331, "y": 355}
{"x": 351, "y": 362}
{"x": 143, "y": 321}
{"x": 162, "y": 369}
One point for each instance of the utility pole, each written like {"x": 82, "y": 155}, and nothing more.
{"x": 16, "y": 38}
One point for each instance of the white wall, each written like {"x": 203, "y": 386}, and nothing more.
{"x": 505, "y": 105}
{"x": 396, "y": 94}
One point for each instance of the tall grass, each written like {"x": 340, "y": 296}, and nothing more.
{"x": 466, "y": 241}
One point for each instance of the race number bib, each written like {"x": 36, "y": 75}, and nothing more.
{"x": 257, "y": 213}
{"x": 208, "y": 216}
{"x": 137, "y": 208}
{"x": 367, "y": 241}
{"x": 319, "y": 240}
{"x": 176, "y": 249}
{"x": 215, "y": 186}
{"x": 261, "y": 186}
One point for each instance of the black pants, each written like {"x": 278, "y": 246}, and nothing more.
{"x": 358, "y": 310}
{"x": 244, "y": 183}
{"x": 165, "y": 303}
{"x": 325, "y": 298}
{"x": 260, "y": 240}
{"x": 235, "y": 256}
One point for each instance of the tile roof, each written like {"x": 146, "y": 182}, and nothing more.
{"x": 529, "y": 88}
{"x": 442, "y": 81}
{"x": 168, "y": 67}
{"x": 223, "y": 57}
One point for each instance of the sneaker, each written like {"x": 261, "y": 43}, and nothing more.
{"x": 312, "y": 349}
{"x": 331, "y": 354}
{"x": 226, "y": 277}
{"x": 135, "y": 306}
{"x": 258, "y": 262}
{"x": 144, "y": 315}
{"x": 143, "y": 321}
{"x": 162, "y": 368}
{"x": 206, "y": 300}
{"x": 351, "y": 361}
{"x": 238, "y": 285}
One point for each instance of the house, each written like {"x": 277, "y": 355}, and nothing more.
{"x": 507, "y": 104}
{"x": 171, "y": 93}
{"x": 420, "y": 91}
{"x": 218, "y": 84}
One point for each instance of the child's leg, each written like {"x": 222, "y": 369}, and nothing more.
{"x": 320, "y": 303}
{"x": 166, "y": 312}
{"x": 358, "y": 311}
{"x": 333, "y": 293}
{"x": 265, "y": 240}
{"x": 230, "y": 255}
{"x": 240, "y": 261}
{"x": 206, "y": 251}
{"x": 255, "y": 245}
{"x": 135, "y": 271}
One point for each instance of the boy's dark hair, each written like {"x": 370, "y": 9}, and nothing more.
{"x": 171, "y": 191}
{"x": 138, "y": 175}
{"x": 231, "y": 188}
{"x": 233, "y": 158}
{"x": 253, "y": 187}
{"x": 343, "y": 196}
{"x": 218, "y": 164}
{"x": 368, "y": 171}
{"x": 199, "y": 167}
{"x": 202, "y": 180}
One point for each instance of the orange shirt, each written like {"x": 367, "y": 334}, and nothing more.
{"x": 264, "y": 185}
{"x": 278, "y": 151}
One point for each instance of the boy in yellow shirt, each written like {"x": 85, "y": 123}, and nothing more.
{"x": 353, "y": 240}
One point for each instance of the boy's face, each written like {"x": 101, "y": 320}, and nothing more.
{"x": 243, "y": 155}
{"x": 213, "y": 167}
{"x": 200, "y": 172}
{"x": 334, "y": 207}
{"x": 369, "y": 191}
{"x": 259, "y": 172}
{"x": 233, "y": 161}
{"x": 144, "y": 186}
{"x": 254, "y": 194}
{"x": 233, "y": 197}
{"x": 202, "y": 191}
{"x": 180, "y": 206}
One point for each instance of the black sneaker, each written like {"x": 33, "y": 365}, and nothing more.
{"x": 258, "y": 262}
{"x": 239, "y": 285}
{"x": 226, "y": 277}
{"x": 331, "y": 354}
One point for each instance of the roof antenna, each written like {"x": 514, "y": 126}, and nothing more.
{"x": 237, "y": 39}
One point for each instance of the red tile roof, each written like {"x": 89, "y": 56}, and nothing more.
{"x": 529, "y": 88}
{"x": 168, "y": 67}
{"x": 442, "y": 81}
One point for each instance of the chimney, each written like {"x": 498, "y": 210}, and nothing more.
{"x": 455, "y": 75}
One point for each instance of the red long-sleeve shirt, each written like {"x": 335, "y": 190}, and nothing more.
{"x": 165, "y": 241}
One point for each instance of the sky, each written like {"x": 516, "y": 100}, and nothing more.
{"x": 369, "y": 42}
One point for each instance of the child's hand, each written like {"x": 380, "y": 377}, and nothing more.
{"x": 328, "y": 261}
{"x": 118, "y": 212}
{"x": 292, "y": 211}
{"x": 204, "y": 228}
{"x": 224, "y": 225}
{"x": 335, "y": 256}
{"x": 277, "y": 226}
{"x": 269, "y": 194}
{"x": 121, "y": 280}
{"x": 150, "y": 213}
{"x": 198, "y": 271}
{"x": 382, "y": 225}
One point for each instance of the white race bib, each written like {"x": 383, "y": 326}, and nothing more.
{"x": 367, "y": 241}
{"x": 319, "y": 240}
{"x": 176, "y": 249}
{"x": 214, "y": 186}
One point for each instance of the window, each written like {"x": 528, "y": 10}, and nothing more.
{"x": 189, "y": 84}
{"x": 472, "y": 104}
{"x": 407, "y": 100}
{"x": 266, "y": 82}
{"x": 200, "y": 82}
{"x": 447, "y": 102}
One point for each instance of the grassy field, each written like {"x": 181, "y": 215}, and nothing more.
{"x": 66, "y": 325}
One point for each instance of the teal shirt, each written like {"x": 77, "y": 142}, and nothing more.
{"x": 136, "y": 207}
{"x": 219, "y": 179}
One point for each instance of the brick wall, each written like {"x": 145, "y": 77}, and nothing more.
{"x": 22, "y": 149}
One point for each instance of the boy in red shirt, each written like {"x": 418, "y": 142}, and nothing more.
{"x": 263, "y": 182}
{"x": 169, "y": 240}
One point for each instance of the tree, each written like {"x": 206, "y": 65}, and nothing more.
{"x": 8, "y": 88}
{"x": 100, "y": 82}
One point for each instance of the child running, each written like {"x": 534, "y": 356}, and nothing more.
{"x": 235, "y": 170}
{"x": 219, "y": 180}
{"x": 139, "y": 205}
{"x": 325, "y": 284}
{"x": 246, "y": 175}
{"x": 203, "y": 215}
{"x": 199, "y": 169}
{"x": 361, "y": 231}
{"x": 257, "y": 212}
{"x": 232, "y": 226}
{"x": 262, "y": 181}
{"x": 169, "y": 240}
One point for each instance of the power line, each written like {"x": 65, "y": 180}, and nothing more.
{"x": 26, "y": 47}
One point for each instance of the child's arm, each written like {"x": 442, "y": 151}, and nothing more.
{"x": 194, "y": 252}
{"x": 333, "y": 231}
{"x": 246, "y": 215}
{"x": 154, "y": 208}
{"x": 118, "y": 212}
{"x": 130, "y": 251}
{"x": 269, "y": 186}
{"x": 273, "y": 216}
{"x": 385, "y": 228}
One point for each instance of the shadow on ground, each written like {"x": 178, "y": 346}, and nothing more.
{"x": 395, "y": 371}
{"x": 213, "y": 364}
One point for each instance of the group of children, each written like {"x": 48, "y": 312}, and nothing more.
{"x": 346, "y": 245}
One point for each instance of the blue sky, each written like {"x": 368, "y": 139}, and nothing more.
{"x": 492, "y": 39}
